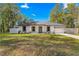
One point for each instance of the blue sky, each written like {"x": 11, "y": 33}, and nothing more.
{"x": 37, "y": 11}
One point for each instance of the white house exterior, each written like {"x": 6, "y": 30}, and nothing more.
{"x": 39, "y": 28}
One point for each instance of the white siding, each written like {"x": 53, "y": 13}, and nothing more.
{"x": 51, "y": 29}
{"x": 59, "y": 30}
{"x": 28, "y": 29}
{"x": 44, "y": 29}
{"x": 16, "y": 30}
{"x": 71, "y": 30}
{"x": 36, "y": 29}
{"x": 20, "y": 28}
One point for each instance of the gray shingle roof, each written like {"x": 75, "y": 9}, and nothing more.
{"x": 48, "y": 23}
{"x": 41, "y": 23}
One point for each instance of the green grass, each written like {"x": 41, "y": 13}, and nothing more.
{"x": 76, "y": 34}
{"x": 23, "y": 34}
{"x": 38, "y": 45}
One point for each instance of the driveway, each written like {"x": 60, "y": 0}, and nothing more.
{"x": 70, "y": 35}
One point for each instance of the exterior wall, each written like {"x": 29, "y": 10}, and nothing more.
{"x": 16, "y": 30}
{"x": 36, "y": 29}
{"x": 72, "y": 30}
{"x": 13, "y": 30}
{"x": 20, "y": 28}
{"x": 44, "y": 29}
{"x": 58, "y": 30}
{"x": 51, "y": 29}
{"x": 28, "y": 29}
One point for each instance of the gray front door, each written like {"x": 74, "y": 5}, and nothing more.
{"x": 40, "y": 29}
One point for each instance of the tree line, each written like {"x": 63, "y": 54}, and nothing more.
{"x": 68, "y": 16}
{"x": 10, "y": 15}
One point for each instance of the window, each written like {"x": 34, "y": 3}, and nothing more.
{"x": 33, "y": 28}
{"x": 24, "y": 28}
{"x": 48, "y": 28}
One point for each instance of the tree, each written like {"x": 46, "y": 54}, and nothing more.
{"x": 56, "y": 14}
{"x": 70, "y": 15}
{"x": 9, "y": 14}
{"x": 23, "y": 19}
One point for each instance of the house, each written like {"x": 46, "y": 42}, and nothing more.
{"x": 43, "y": 27}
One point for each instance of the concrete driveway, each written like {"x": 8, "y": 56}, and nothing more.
{"x": 70, "y": 35}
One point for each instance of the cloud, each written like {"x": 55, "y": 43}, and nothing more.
{"x": 65, "y": 5}
{"x": 33, "y": 14}
{"x": 25, "y": 6}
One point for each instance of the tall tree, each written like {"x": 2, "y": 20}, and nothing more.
{"x": 9, "y": 14}
{"x": 56, "y": 14}
{"x": 70, "y": 15}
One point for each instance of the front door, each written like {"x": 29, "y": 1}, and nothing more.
{"x": 24, "y": 28}
{"x": 40, "y": 29}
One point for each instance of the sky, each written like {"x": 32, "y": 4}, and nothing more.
{"x": 37, "y": 11}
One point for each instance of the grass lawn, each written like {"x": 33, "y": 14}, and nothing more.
{"x": 77, "y": 34}
{"x": 38, "y": 45}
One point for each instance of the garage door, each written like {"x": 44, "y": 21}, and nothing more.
{"x": 59, "y": 30}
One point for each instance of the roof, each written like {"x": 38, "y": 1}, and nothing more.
{"x": 48, "y": 23}
{"x": 41, "y": 23}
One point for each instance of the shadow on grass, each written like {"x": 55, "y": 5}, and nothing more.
{"x": 39, "y": 46}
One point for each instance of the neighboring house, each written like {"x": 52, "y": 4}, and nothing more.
{"x": 38, "y": 28}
